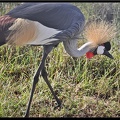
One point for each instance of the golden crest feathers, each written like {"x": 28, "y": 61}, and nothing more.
{"x": 99, "y": 32}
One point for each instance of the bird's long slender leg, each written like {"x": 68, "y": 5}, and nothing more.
{"x": 44, "y": 75}
{"x": 47, "y": 50}
{"x": 35, "y": 80}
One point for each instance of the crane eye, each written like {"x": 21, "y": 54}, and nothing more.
{"x": 100, "y": 50}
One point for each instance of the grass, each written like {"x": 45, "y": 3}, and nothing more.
{"x": 87, "y": 88}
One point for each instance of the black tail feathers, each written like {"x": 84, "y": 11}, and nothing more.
{"x": 2, "y": 38}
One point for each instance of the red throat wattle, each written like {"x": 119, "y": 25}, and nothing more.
{"x": 89, "y": 55}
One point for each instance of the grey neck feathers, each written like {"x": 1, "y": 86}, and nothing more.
{"x": 72, "y": 50}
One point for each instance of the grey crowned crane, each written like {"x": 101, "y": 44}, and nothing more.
{"x": 48, "y": 24}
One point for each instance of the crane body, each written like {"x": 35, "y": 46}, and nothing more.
{"x": 48, "y": 24}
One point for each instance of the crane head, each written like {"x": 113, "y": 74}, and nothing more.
{"x": 99, "y": 34}
{"x": 100, "y": 50}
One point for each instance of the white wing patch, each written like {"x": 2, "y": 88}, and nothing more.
{"x": 43, "y": 35}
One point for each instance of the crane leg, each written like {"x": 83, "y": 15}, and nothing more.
{"x": 44, "y": 75}
{"x": 41, "y": 69}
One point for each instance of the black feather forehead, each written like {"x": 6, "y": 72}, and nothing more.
{"x": 107, "y": 46}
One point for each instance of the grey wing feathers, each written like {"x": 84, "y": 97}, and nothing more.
{"x": 71, "y": 33}
{"x": 61, "y": 16}
{"x": 54, "y": 15}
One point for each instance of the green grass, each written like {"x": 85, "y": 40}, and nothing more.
{"x": 87, "y": 88}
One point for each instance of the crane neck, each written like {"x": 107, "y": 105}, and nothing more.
{"x": 72, "y": 50}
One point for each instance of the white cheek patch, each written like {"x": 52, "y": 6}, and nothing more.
{"x": 100, "y": 50}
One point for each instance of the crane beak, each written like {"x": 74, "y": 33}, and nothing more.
{"x": 108, "y": 54}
